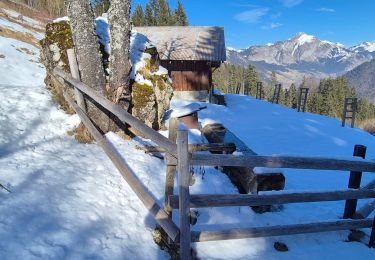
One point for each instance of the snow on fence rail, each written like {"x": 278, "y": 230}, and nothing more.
{"x": 180, "y": 155}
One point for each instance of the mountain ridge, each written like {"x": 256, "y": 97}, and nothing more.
{"x": 302, "y": 55}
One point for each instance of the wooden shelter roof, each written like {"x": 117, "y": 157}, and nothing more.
{"x": 205, "y": 43}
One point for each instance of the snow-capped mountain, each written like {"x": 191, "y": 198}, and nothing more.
{"x": 364, "y": 47}
{"x": 302, "y": 55}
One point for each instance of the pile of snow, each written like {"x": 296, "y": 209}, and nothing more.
{"x": 138, "y": 44}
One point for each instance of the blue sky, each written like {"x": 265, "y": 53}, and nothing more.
{"x": 256, "y": 22}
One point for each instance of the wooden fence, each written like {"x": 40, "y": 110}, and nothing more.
{"x": 184, "y": 201}
{"x": 182, "y": 156}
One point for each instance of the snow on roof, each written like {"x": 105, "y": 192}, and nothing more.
{"x": 187, "y": 42}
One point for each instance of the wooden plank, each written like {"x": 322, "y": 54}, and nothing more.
{"x": 370, "y": 185}
{"x": 225, "y": 200}
{"x": 365, "y": 210}
{"x": 184, "y": 195}
{"x": 127, "y": 173}
{"x": 295, "y": 162}
{"x": 170, "y": 169}
{"x": 122, "y": 114}
{"x": 201, "y": 236}
{"x": 215, "y": 147}
{"x": 73, "y": 65}
{"x": 371, "y": 243}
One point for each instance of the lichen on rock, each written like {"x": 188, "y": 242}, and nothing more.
{"x": 58, "y": 38}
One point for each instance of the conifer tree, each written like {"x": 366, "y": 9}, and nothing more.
{"x": 180, "y": 15}
{"x": 164, "y": 18}
{"x": 138, "y": 16}
{"x": 292, "y": 96}
{"x": 149, "y": 19}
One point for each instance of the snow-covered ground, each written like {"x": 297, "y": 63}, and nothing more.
{"x": 69, "y": 202}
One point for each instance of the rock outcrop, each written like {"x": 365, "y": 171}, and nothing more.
{"x": 58, "y": 38}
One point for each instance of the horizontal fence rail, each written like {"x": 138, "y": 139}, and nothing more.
{"x": 120, "y": 113}
{"x": 220, "y": 200}
{"x": 127, "y": 173}
{"x": 201, "y": 236}
{"x": 295, "y": 162}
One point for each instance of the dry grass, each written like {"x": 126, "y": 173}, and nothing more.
{"x": 25, "y": 10}
{"x": 81, "y": 134}
{"x": 20, "y": 36}
{"x": 368, "y": 125}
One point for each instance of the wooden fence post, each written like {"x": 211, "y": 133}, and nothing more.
{"x": 302, "y": 99}
{"x": 352, "y": 104}
{"x": 276, "y": 94}
{"x": 259, "y": 90}
{"x": 354, "y": 182}
{"x": 75, "y": 74}
{"x": 184, "y": 195}
{"x": 169, "y": 178}
{"x": 371, "y": 243}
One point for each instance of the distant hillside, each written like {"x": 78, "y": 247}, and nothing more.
{"x": 363, "y": 79}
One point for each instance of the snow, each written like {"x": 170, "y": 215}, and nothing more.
{"x": 187, "y": 109}
{"x": 303, "y": 38}
{"x": 61, "y": 19}
{"x": 271, "y": 129}
{"x": 18, "y": 67}
{"x": 68, "y": 201}
{"x": 23, "y": 19}
{"x": 138, "y": 44}
{"x": 19, "y": 28}
{"x": 365, "y": 46}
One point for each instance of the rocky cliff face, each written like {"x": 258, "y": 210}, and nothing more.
{"x": 150, "y": 84}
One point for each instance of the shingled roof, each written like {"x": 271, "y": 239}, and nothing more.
{"x": 187, "y": 42}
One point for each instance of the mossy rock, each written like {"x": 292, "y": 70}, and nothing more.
{"x": 144, "y": 104}
{"x": 152, "y": 64}
{"x": 60, "y": 34}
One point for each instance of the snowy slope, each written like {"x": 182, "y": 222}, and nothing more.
{"x": 69, "y": 202}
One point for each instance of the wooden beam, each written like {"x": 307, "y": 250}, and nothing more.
{"x": 221, "y": 200}
{"x": 370, "y": 185}
{"x": 213, "y": 147}
{"x": 200, "y": 236}
{"x": 295, "y": 162}
{"x": 120, "y": 113}
{"x": 365, "y": 210}
{"x": 73, "y": 65}
{"x": 184, "y": 194}
{"x": 127, "y": 173}
{"x": 170, "y": 169}
{"x": 354, "y": 182}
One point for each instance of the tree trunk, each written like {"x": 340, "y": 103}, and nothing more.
{"x": 82, "y": 21}
{"x": 119, "y": 64}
